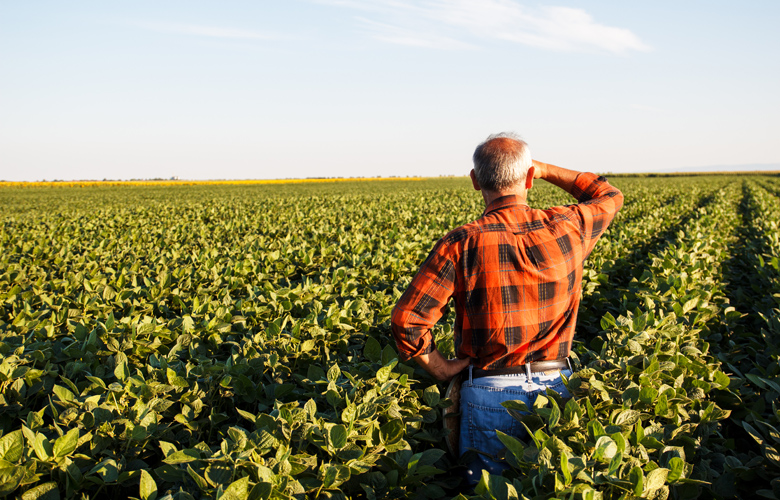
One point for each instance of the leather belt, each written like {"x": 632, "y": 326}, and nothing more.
{"x": 537, "y": 367}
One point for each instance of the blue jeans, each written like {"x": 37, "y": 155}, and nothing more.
{"x": 482, "y": 414}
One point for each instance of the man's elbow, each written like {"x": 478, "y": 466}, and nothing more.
{"x": 396, "y": 318}
{"x": 398, "y": 325}
{"x": 618, "y": 197}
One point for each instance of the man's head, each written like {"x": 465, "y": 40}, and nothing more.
{"x": 501, "y": 162}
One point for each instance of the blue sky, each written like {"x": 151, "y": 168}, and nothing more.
{"x": 262, "y": 89}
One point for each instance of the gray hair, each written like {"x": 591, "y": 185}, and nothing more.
{"x": 501, "y": 161}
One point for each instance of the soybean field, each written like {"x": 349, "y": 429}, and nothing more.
{"x": 233, "y": 342}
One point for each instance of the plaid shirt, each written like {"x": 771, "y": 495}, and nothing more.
{"x": 515, "y": 275}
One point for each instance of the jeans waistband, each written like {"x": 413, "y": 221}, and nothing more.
{"x": 528, "y": 369}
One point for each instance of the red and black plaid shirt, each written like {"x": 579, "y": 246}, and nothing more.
{"x": 515, "y": 275}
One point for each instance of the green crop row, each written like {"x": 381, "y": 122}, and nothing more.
{"x": 623, "y": 252}
{"x": 233, "y": 342}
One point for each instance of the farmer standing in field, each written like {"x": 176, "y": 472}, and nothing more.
{"x": 515, "y": 275}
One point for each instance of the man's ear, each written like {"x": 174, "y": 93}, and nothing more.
{"x": 529, "y": 178}
{"x": 474, "y": 182}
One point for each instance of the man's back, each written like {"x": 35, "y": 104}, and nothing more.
{"x": 515, "y": 276}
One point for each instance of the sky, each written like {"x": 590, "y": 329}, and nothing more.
{"x": 356, "y": 88}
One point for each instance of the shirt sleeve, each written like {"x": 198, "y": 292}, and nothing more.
{"x": 423, "y": 303}
{"x": 599, "y": 202}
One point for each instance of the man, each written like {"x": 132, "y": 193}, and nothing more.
{"x": 515, "y": 276}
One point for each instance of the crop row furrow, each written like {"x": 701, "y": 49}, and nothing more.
{"x": 623, "y": 255}
{"x": 751, "y": 347}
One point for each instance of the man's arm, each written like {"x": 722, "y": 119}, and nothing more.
{"x": 559, "y": 176}
{"x": 418, "y": 310}
{"x": 598, "y": 200}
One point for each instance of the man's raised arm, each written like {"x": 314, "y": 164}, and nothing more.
{"x": 559, "y": 176}
{"x": 598, "y": 200}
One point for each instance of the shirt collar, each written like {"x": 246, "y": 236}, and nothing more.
{"x": 510, "y": 200}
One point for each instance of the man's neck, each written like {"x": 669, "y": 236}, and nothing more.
{"x": 491, "y": 196}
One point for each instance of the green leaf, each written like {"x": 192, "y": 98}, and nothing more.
{"x": 315, "y": 372}
{"x": 45, "y": 491}
{"x": 238, "y": 490}
{"x": 121, "y": 371}
{"x": 608, "y": 321}
{"x": 10, "y": 478}
{"x": 589, "y": 409}
{"x": 311, "y": 409}
{"x": 110, "y": 321}
{"x": 383, "y": 374}
{"x": 430, "y": 457}
{"x": 107, "y": 470}
{"x": 639, "y": 323}
{"x": 688, "y": 306}
{"x": 147, "y": 486}
{"x": 647, "y": 395}
{"x": 516, "y": 405}
{"x": 218, "y": 474}
{"x": 721, "y": 380}
{"x": 167, "y": 448}
{"x": 637, "y": 479}
{"x": 605, "y": 449}
{"x": 338, "y": 436}
{"x": 203, "y": 485}
{"x": 65, "y": 445}
{"x": 555, "y": 416}
{"x": 388, "y": 355}
{"x": 175, "y": 380}
{"x": 565, "y": 469}
{"x": 614, "y": 464}
{"x": 330, "y": 476}
{"x": 651, "y": 443}
{"x": 62, "y": 393}
{"x": 627, "y": 417}
{"x": 656, "y": 478}
{"x": 753, "y": 433}
{"x": 372, "y": 351}
{"x": 333, "y": 373}
{"x": 661, "y": 406}
{"x": 431, "y": 396}
{"x": 12, "y": 446}
{"x": 771, "y": 454}
{"x": 182, "y": 457}
{"x": 98, "y": 381}
{"x": 266, "y": 440}
{"x": 620, "y": 441}
{"x": 514, "y": 445}
{"x": 392, "y": 431}
{"x": 42, "y": 447}
{"x": 349, "y": 414}
{"x": 676, "y": 469}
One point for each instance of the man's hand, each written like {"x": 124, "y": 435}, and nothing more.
{"x": 439, "y": 367}
{"x": 539, "y": 169}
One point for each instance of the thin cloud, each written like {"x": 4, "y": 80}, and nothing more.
{"x": 207, "y": 31}
{"x": 405, "y": 36}
{"x": 553, "y": 28}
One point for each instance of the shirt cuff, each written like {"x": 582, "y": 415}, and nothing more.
{"x": 424, "y": 345}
